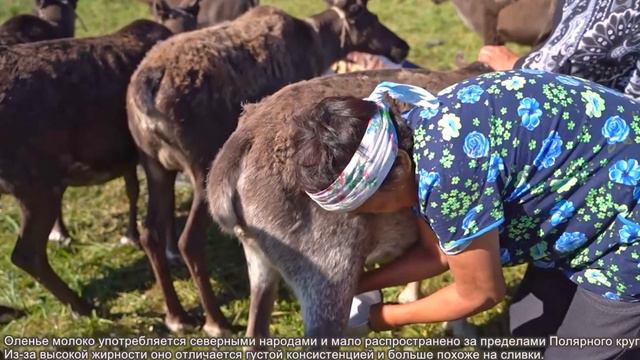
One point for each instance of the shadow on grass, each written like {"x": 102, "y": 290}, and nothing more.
{"x": 226, "y": 265}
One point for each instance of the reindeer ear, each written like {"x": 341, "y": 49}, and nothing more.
{"x": 194, "y": 8}
{"x": 161, "y": 8}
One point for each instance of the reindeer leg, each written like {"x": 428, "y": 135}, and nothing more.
{"x": 158, "y": 227}
{"x": 325, "y": 286}
{"x": 171, "y": 247}
{"x": 192, "y": 244}
{"x": 326, "y": 304}
{"x": 40, "y": 206}
{"x": 133, "y": 193}
{"x": 263, "y": 279}
{"x": 491, "y": 36}
{"x": 410, "y": 293}
{"x": 59, "y": 233}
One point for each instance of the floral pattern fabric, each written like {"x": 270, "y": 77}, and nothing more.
{"x": 551, "y": 161}
{"x": 595, "y": 40}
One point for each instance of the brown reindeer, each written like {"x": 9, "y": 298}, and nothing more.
{"x": 252, "y": 193}
{"x": 527, "y": 22}
{"x": 186, "y": 96}
{"x": 177, "y": 19}
{"x": 76, "y": 135}
{"x": 55, "y": 19}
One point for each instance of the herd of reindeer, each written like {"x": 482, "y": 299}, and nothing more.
{"x": 209, "y": 89}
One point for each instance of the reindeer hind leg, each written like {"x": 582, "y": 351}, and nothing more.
{"x": 132, "y": 186}
{"x": 40, "y": 206}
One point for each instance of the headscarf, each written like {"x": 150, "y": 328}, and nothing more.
{"x": 376, "y": 154}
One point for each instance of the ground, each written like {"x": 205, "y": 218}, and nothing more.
{"x": 118, "y": 278}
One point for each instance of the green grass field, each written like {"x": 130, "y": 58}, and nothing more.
{"x": 118, "y": 279}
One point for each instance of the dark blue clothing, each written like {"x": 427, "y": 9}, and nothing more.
{"x": 551, "y": 161}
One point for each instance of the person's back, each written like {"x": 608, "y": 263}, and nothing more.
{"x": 552, "y": 162}
{"x": 594, "y": 40}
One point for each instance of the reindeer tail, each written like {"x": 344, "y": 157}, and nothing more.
{"x": 223, "y": 179}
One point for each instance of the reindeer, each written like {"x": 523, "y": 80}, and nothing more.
{"x": 185, "y": 98}
{"x": 527, "y": 22}
{"x": 217, "y": 11}
{"x": 178, "y": 17}
{"x": 76, "y": 135}
{"x": 253, "y": 194}
{"x": 56, "y": 19}
{"x": 212, "y": 11}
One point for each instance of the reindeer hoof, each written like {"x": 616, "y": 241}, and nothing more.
{"x": 8, "y": 314}
{"x": 215, "y": 330}
{"x": 59, "y": 238}
{"x": 128, "y": 240}
{"x": 461, "y": 329}
{"x": 179, "y": 324}
{"x": 80, "y": 310}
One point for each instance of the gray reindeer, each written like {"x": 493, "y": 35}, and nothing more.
{"x": 252, "y": 193}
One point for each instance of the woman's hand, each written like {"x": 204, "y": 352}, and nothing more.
{"x": 478, "y": 286}
{"x": 497, "y": 57}
{"x": 379, "y": 318}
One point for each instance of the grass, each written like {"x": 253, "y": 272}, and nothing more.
{"x": 118, "y": 278}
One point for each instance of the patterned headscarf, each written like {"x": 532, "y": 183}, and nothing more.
{"x": 376, "y": 154}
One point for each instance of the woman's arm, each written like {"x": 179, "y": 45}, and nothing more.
{"x": 421, "y": 261}
{"x": 478, "y": 286}
{"x": 498, "y": 57}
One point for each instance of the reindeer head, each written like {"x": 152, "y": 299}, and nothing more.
{"x": 362, "y": 31}
{"x": 177, "y": 18}
{"x": 60, "y": 13}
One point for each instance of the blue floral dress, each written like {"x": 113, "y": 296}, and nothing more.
{"x": 551, "y": 161}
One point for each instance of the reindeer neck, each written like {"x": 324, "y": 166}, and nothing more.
{"x": 329, "y": 28}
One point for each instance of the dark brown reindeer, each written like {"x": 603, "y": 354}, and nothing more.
{"x": 527, "y": 22}
{"x": 76, "y": 135}
{"x": 55, "y": 19}
{"x": 177, "y": 19}
{"x": 185, "y": 98}
{"x": 252, "y": 193}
